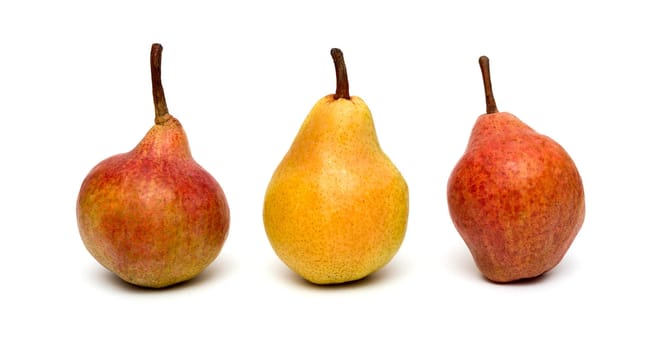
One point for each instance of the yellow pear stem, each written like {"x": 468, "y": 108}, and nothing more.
{"x": 342, "y": 81}
{"x": 488, "y": 90}
{"x": 160, "y": 106}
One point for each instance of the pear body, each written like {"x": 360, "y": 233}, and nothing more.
{"x": 153, "y": 216}
{"x": 516, "y": 198}
{"x": 336, "y": 207}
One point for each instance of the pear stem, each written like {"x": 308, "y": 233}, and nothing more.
{"x": 342, "y": 81}
{"x": 160, "y": 106}
{"x": 488, "y": 90}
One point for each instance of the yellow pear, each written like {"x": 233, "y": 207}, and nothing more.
{"x": 336, "y": 208}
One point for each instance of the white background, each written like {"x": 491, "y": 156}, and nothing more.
{"x": 75, "y": 89}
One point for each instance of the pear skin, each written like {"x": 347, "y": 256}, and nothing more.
{"x": 515, "y": 196}
{"x": 336, "y": 207}
{"x": 153, "y": 215}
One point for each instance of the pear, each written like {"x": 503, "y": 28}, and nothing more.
{"x": 153, "y": 215}
{"x": 515, "y": 196}
{"x": 336, "y": 207}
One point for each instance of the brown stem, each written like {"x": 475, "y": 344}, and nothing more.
{"x": 342, "y": 81}
{"x": 160, "y": 106}
{"x": 488, "y": 91}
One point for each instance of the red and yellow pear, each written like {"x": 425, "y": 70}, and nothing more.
{"x": 515, "y": 196}
{"x": 153, "y": 215}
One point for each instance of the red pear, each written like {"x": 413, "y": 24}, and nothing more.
{"x": 515, "y": 196}
{"x": 153, "y": 215}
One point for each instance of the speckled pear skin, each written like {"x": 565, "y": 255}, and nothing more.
{"x": 336, "y": 208}
{"x": 153, "y": 216}
{"x": 515, "y": 197}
